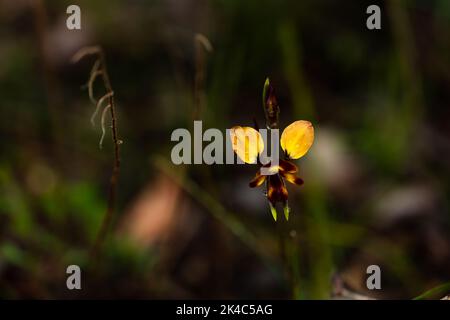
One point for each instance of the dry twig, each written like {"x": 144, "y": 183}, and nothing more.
{"x": 100, "y": 69}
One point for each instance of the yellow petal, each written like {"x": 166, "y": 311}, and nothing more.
{"x": 257, "y": 180}
{"x": 247, "y": 143}
{"x": 292, "y": 178}
{"x": 297, "y": 138}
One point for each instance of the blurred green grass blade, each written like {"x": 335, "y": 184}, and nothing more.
{"x": 302, "y": 99}
{"x": 13, "y": 255}
{"x": 214, "y": 206}
{"x": 435, "y": 293}
{"x": 15, "y": 203}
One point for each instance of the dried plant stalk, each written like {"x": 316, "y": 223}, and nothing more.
{"x": 100, "y": 69}
{"x": 99, "y": 104}
{"x": 105, "y": 110}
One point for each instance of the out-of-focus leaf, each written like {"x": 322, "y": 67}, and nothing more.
{"x": 435, "y": 293}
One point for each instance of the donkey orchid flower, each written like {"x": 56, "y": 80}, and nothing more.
{"x": 296, "y": 140}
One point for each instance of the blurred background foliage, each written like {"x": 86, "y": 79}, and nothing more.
{"x": 377, "y": 178}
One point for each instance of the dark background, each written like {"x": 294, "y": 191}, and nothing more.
{"x": 376, "y": 179}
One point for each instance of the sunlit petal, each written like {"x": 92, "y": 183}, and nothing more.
{"x": 297, "y": 138}
{"x": 247, "y": 143}
{"x": 257, "y": 180}
{"x": 292, "y": 178}
{"x": 273, "y": 211}
{"x": 286, "y": 211}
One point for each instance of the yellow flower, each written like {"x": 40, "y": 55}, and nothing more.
{"x": 295, "y": 140}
